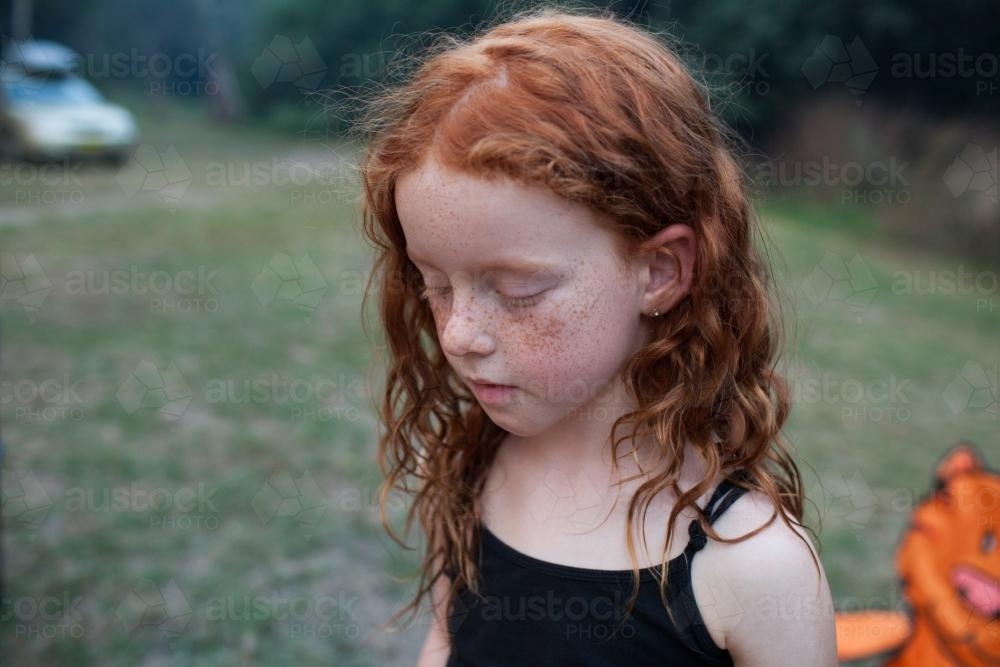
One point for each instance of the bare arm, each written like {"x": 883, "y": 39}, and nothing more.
{"x": 788, "y": 613}
{"x": 436, "y": 649}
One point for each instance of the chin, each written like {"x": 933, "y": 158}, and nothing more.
{"x": 512, "y": 425}
{"x": 514, "y": 421}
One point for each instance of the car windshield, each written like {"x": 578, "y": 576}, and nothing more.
{"x": 50, "y": 91}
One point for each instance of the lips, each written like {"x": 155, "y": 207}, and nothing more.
{"x": 486, "y": 383}
{"x": 981, "y": 590}
{"x": 492, "y": 393}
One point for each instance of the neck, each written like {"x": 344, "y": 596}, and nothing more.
{"x": 578, "y": 449}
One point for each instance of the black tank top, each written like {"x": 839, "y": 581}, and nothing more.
{"x": 546, "y": 614}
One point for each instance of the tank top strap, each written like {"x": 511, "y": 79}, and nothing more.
{"x": 726, "y": 493}
{"x": 681, "y": 591}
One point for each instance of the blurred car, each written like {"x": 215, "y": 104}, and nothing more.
{"x": 47, "y": 112}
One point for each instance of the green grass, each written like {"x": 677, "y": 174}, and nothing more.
{"x": 893, "y": 441}
{"x": 224, "y": 550}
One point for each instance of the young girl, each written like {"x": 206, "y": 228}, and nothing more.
{"x": 565, "y": 248}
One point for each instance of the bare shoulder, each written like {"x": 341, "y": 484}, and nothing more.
{"x": 751, "y": 511}
{"x": 785, "y": 610}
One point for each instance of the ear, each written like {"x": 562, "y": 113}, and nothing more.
{"x": 962, "y": 459}
{"x": 668, "y": 266}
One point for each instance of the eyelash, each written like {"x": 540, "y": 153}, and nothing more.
{"x": 513, "y": 301}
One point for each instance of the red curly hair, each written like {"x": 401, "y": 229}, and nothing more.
{"x": 598, "y": 111}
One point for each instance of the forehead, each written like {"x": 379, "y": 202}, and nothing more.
{"x": 454, "y": 219}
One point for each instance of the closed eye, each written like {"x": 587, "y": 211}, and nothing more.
{"x": 523, "y": 301}
{"x": 512, "y": 301}
{"x": 427, "y": 292}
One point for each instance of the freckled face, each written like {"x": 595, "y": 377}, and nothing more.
{"x": 526, "y": 290}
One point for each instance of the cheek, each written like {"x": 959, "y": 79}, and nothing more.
{"x": 534, "y": 336}
{"x": 583, "y": 339}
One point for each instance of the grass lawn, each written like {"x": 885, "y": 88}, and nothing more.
{"x": 195, "y": 456}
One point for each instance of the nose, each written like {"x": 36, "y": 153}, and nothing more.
{"x": 466, "y": 329}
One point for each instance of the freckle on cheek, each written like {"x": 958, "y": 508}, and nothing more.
{"x": 548, "y": 333}
{"x": 544, "y": 335}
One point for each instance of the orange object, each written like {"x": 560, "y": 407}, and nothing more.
{"x": 949, "y": 569}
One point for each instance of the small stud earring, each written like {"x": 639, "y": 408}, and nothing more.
{"x": 656, "y": 313}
